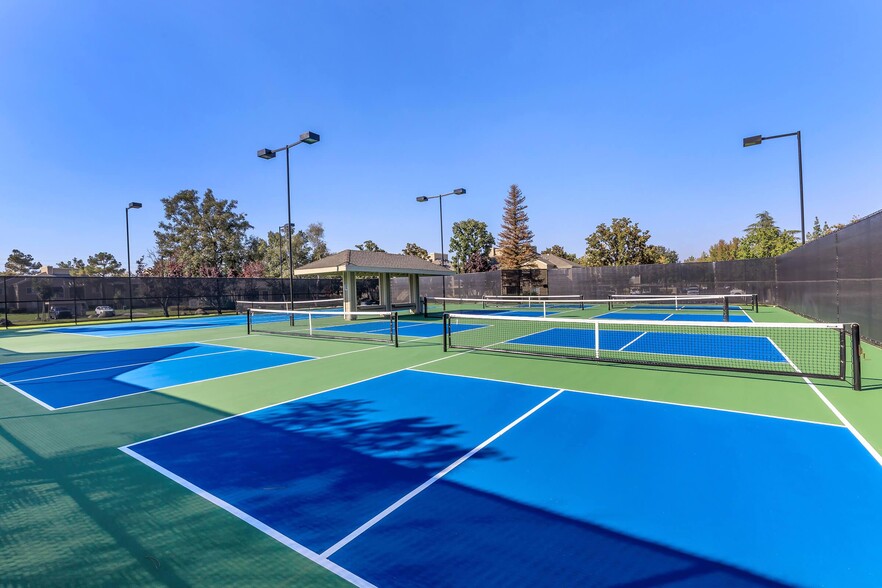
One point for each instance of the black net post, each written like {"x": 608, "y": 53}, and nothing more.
{"x": 725, "y": 309}
{"x": 393, "y": 328}
{"x": 856, "y": 355}
{"x": 425, "y": 300}
{"x": 445, "y": 330}
{"x": 248, "y": 320}
{"x": 755, "y": 300}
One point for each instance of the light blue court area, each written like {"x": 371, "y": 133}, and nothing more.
{"x": 150, "y": 327}
{"x": 79, "y": 379}
{"x": 670, "y": 316}
{"x": 660, "y": 343}
{"x": 422, "y": 479}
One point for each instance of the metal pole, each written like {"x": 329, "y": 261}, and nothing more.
{"x": 801, "y": 199}
{"x": 441, "y": 218}
{"x": 290, "y": 246}
{"x": 129, "y": 265}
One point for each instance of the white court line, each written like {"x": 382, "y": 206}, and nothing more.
{"x": 632, "y": 341}
{"x": 407, "y": 497}
{"x": 23, "y": 393}
{"x": 667, "y": 317}
{"x": 278, "y": 536}
{"x": 126, "y": 365}
{"x": 857, "y": 435}
{"x": 750, "y": 318}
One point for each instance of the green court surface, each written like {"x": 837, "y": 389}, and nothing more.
{"x": 75, "y": 510}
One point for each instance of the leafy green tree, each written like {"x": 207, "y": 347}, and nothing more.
{"x": 661, "y": 254}
{"x": 620, "y": 243}
{"x": 103, "y": 264}
{"x": 20, "y": 263}
{"x": 205, "y": 235}
{"x": 764, "y": 238}
{"x": 76, "y": 266}
{"x": 415, "y": 250}
{"x": 315, "y": 238}
{"x": 369, "y": 246}
{"x": 515, "y": 239}
{"x": 469, "y": 236}
{"x": 819, "y": 231}
{"x": 560, "y": 252}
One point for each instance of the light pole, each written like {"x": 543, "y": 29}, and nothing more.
{"x": 129, "y": 256}
{"x": 440, "y": 197}
{"x": 757, "y": 139}
{"x": 309, "y": 138}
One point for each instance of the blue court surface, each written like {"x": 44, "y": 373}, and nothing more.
{"x": 669, "y": 316}
{"x": 684, "y": 307}
{"x": 660, "y": 343}
{"x": 79, "y": 379}
{"x": 504, "y": 312}
{"x": 405, "y": 328}
{"x": 151, "y": 327}
{"x": 423, "y": 479}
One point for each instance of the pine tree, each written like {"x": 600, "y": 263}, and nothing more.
{"x": 516, "y": 239}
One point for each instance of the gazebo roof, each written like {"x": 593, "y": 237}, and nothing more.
{"x": 374, "y": 262}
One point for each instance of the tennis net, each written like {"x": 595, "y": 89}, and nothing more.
{"x": 793, "y": 349}
{"x": 242, "y": 306}
{"x": 437, "y": 306}
{"x": 377, "y": 327}
{"x": 694, "y": 302}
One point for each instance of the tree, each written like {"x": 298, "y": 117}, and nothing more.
{"x": 20, "y": 263}
{"x": 620, "y": 243}
{"x": 103, "y": 264}
{"x": 764, "y": 238}
{"x": 205, "y": 235}
{"x": 560, "y": 252}
{"x": 819, "y": 231}
{"x": 661, "y": 254}
{"x": 370, "y": 246}
{"x": 469, "y": 236}
{"x": 477, "y": 263}
{"x": 315, "y": 237}
{"x": 415, "y": 250}
{"x": 76, "y": 266}
{"x": 515, "y": 239}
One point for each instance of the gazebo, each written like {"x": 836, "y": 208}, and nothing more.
{"x": 350, "y": 263}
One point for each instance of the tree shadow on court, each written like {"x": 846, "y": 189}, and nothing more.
{"x": 455, "y": 535}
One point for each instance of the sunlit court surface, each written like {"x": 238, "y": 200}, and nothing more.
{"x": 286, "y": 456}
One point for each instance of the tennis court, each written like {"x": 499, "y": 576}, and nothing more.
{"x": 330, "y": 457}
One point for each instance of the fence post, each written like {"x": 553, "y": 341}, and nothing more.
{"x": 5, "y": 305}
{"x": 856, "y": 355}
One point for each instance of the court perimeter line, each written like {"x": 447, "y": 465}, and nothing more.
{"x": 650, "y": 400}
{"x": 26, "y": 395}
{"x": 407, "y": 497}
{"x": 857, "y": 435}
{"x": 280, "y": 537}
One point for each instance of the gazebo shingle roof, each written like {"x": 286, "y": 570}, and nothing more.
{"x": 372, "y": 261}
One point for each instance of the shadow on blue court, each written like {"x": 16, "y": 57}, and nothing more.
{"x": 576, "y": 489}
{"x": 80, "y": 379}
{"x": 660, "y": 343}
{"x": 670, "y": 316}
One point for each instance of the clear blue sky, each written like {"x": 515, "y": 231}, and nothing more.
{"x": 596, "y": 109}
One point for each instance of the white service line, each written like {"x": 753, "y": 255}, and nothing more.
{"x": 407, "y": 497}
{"x": 629, "y": 343}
